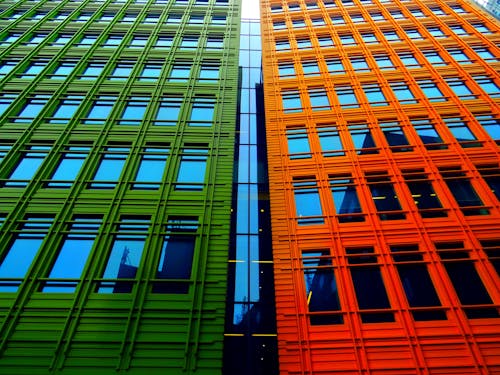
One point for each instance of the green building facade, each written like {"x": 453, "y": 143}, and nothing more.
{"x": 117, "y": 135}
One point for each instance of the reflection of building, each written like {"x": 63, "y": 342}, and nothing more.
{"x": 116, "y": 160}
{"x": 383, "y": 124}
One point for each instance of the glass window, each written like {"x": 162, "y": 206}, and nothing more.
{"x": 463, "y": 191}
{"x": 423, "y": 194}
{"x": 459, "y": 56}
{"x": 286, "y": 69}
{"x": 428, "y": 133}
{"x": 491, "y": 174}
{"x": 368, "y": 285}
{"x": 122, "y": 71}
{"x": 492, "y": 250}
{"x": 490, "y": 124}
{"x": 337, "y": 20}
{"x": 330, "y": 141}
{"x": 488, "y": 85}
{"x": 134, "y": 110}
{"x": 461, "y": 132}
{"x": 34, "y": 68}
{"x": 362, "y": 138}
{"x": 310, "y": 67}
{"x": 215, "y": 42}
{"x": 151, "y": 167}
{"x": 36, "y": 39}
{"x": 319, "y": 99}
{"x": 180, "y": 72}
{"x": 110, "y": 167}
{"x": 66, "y": 109}
{"x": 202, "y": 111}
{"x": 413, "y": 34}
{"x": 374, "y": 95}
{"x": 357, "y": 18}
{"x": 125, "y": 255}
{"x": 69, "y": 166}
{"x": 481, "y": 28}
{"x": 377, "y": 16}
{"x": 168, "y": 111}
{"x": 307, "y": 201}
{"x": 321, "y": 287}
{"x": 317, "y": 21}
{"x": 384, "y": 196}
{"x": 209, "y": 72}
{"x": 166, "y": 41}
{"x": 87, "y": 40}
{"x": 152, "y": 18}
{"x": 391, "y": 36}
{"x": 176, "y": 256}
{"x": 335, "y": 66}
{"x": 458, "y": 30}
{"x": 466, "y": 280}
{"x": 291, "y": 101}
{"x": 150, "y": 72}
{"x": 72, "y": 255}
{"x": 434, "y": 58}
{"x": 431, "y": 91}
{"x": 484, "y": 53}
{"x": 298, "y": 143}
{"x": 192, "y": 169}
{"x": 218, "y": 19}
{"x": 346, "y": 97}
{"x": 6, "y": 99}
{"x": 22, "y": 251}
{"x": 402, "y": 92}
{"x": 113, "y": 41}
{"x": 139, "y": 41}
{"x": 416, "y": 282}
{"x": 345, "y": 198}
{"x": 347, "y": 39}
{"x": 100, "y": 110}
{"x": 62, "y": 40}
{"x": 189, "y": 41}
{"x": 395, "y": 136}
{"x": 384, "y": 62}
{"x": 359, "y": 63}
{"x": 436, "y": 32}
{"x": 6, "y": 67}
{"x": 369, "y": 38}
{"x": 32, "y": 108}
{"x": 325, "y": 41}
{"x": 409, "y": 60}
{"x": 298, "y": 23}
{"x": 92, "y": 71}
{"x": 304, "y": 43}
{"x": 64, "y": 69}
{"x": 4, "y": 150}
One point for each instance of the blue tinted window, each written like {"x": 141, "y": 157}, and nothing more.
{"x": 66, "y": 109}
{"x": 460, "y": 131}
{"x": 72, "y": 255}
{"x": 164, "y": 41}
{"x": 307, "y": 202}
{"x": 490, "y": 124}
{"x": 362, "y": 138}
{"x": 374, "y": 95}
{"x": 6, "y": 67}
{"x": 150, "y": 72}
{"x": 298, "y": 143}
{"x": 383, "y": 195}
{"x": 63, "y": 70}
{"x": 346, "y": 97}
{"x": 168, "y": 111}
{"x": 5, "y": 101}
{"x": 121, "y": 71}
{"x": 488, "y": 85}
{"x": 402, "y": 92}
{"x": 330, "y": 141}
{"x": 100, "y": 110}
{"x": 319, "y": 99}
{"x": 110, "y": 167}
{"x": 202, "y": 111}
{"x": 209, "y": 73}
{"x": 125, "y": 256}
{"x": 180, "y": 72}
{"x": 69, "y": 166}
{"x": 345, "y": 197}
{"x": 93, "y": 70}
{"x": 192, "y": 169}
{"x": 34, "y": 68}
{"x": 291, "y": 101}
{"x": 151, "y": 168}
{"x": 134, "y": 111}
{"x": 426, "y": 131}
{"x": 431, "y": 91}
{"x": 22, "y": 251}
{"x": 27, "y": 166}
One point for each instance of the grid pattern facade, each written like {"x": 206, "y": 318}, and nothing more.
{"x": 383, "y": 125}
{"x": 117, "y": 146}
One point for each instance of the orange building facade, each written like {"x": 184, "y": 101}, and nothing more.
{"x": 383, "y": 126}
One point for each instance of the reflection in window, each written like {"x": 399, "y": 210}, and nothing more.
{"x": 192, "y": 169}
{"x": 110, "y": 167}
{"x": 166, "y": 41}
{"x": 402, "y": 92}
{"x": 307, "y": 201}
{"x": 93, "y": 70}
{"x": 69, "y": 166}
{"x": 6, "y": 99}
{"x": 488, "y": 85}
{"x": 180, "y": 72}
{"x": 122, "y": 71}
{"x": 460, "y": 130}
{"x": 291, "y": 101}
{"x": 113, "y": 41}
{"x": 384, "y": 196}
{"x": 466, "y": 280}
{"x": 298, "y": 143}
{"x": 463, "y": 191}
{"x": 434, "y": 58}
{"x": 176, "y": 257}
{"x": 27, "y": 166}
{"x": 125, "y": 256}
{"x": 431, "y": 91}
{"x": 417, "y": 283}
{"x": 319, "y": 99}
{"x": 346, "y": 97}
{"x": 345, "y": 198}
{"x": 209, "y": 72}
{"x": 492, "y": 250}
{"x": 310, "y": 67}
{"x": 22, "y": 250}
{"x": 72, "y": 255}
{"x": 362, "y": 138}
{"x": 423, "y": 194}
{"x": 202, "y": 111}
{"x": 64, "y": 69}
{"x": 490, "y": 124}
{"x": 459, "y": 88}
{"x": 321, "y": 288}
{"x": 100, "y": 110}
{"x": 151, "y": 72}
{"x": 286, "y": 69}
{"x": 335, "y": 66}
{"x": 374, "y": 95}
{"x": 368, "y": 285}
{"x": 395, "y": 136}
{"x": 151, "y": 168}
{"x": 427, "y": 133}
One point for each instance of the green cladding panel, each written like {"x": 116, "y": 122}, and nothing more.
{"x": 117, "y": 123}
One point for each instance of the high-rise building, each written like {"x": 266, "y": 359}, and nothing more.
{"x": 383, "y": 125}
{"x": 117, "y": 145}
